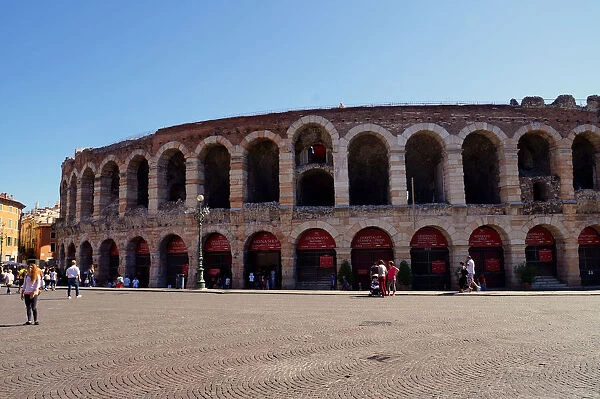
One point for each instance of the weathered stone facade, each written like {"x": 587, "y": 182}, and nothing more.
{"x": 397, "y": 169}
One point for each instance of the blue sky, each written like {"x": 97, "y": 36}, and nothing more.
{"x": 91, "y": 73}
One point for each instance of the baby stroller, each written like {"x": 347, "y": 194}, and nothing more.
{"x": 375, "y": 289}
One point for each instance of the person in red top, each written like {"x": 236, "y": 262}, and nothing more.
{"x": 392, "y": 270}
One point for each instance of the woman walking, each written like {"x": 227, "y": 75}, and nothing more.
{"x": 31, "y": 290}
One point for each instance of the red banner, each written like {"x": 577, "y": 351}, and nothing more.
{"x": 545, "y": 255}
{"x": 428, "y": 237}
{"x": 176, "y": 246}
{"x": 492, "y": 265}
{"x": 589, "y": 236}
{"x": 213, "y": 272}
{"x": 326, "y": 261}
{"x": 485, "y": 237}
{"x": 371, "y": 238}
{"x": 315, "y": 239}
{"x": 265, "y": 242}
{"x": 114, "y": 251}
{"x": 438, "y": 266}
{"x": 217, "y": 243}
{"x": 142, "y": 248}
{"x": 539, "y": 236}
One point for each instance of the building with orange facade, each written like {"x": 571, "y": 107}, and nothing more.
{"x": 294, "y": 194}
{"x": 38, "y": 238}
{"x": 10, "y": 222}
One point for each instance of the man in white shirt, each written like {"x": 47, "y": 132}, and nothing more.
{"x": 9, "y": 278}
{"x": 74, "y": 279}
{"x": 471, "y": 277}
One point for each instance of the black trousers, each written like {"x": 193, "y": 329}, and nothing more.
{"x": 31, "y": 305}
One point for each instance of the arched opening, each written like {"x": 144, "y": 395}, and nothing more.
{"x": 534, "y": 156}
{"x": 108, "y": 265}
{"x": 138, "y": 262}
{"x": 171, "y": 177}
{"x": 86, "y": 260}
{"x": 137, "y": 182}
{"x": 312, "y": 146}
{"x": 72, "y": 199}
{"x": 263, "y": 262}
{"x": 584, "y": 163}
{"x": 589, "y": 257}
{"x": 488, "y": 254}
{"x": 216, "y": 177}
{"x": 63, "y": 199}
{"x": 263, "y": 172}
{"x": 540, "y": 251}
{"x": 87, "y": 193}
{"x": 540, "y": 192}
{"x": 368, "y": 171}
{"x": 217, "y": 261}
{"x": 61, "y": 258}
{"x": 480, "y": 166}
{"x": 109, "y": 189}
{"x": 369, "y": 245}
{"x": 315, "y": 260}
{"x": 174, "y": 262}
{"x": 429, "y": 260}
{"x": 424, "y": 168}
{"x": 315, "y": 188}
{"x": 70, "y": 256}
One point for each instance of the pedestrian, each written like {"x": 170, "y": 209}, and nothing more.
{"x": 391, "y": 278}
{"x": 345, "y": 285}
{"x": 92, "y": 276}
{"x": 471, "y": 276}
{"x": 462, "y": 278}
{"x": 135, "y": 283}
{"x": 333, "y": 282}
{"x": 53, "y": 278}
{"x": 32, "y": 288}
{"x": 74, "y": 278}
{"x": 482, "y": 282}
{"x": 21, "y": 277}
{"x": 46, "y": 279}
{"x": 227, "y": 282}
{"x": 382, "y": 272}
{"x": 127, "y": 282}
{"x": 251, "y": 280}
{"x": 9, "y": 278}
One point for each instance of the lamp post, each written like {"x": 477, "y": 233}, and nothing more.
{"x": 199, "y": 215}
{"x": 1, "y": 241}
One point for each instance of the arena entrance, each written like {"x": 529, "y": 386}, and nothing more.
{"x": 138, "y": 261}
{"x": 263, "y": 262}
{"x": 429, "y": 260}
{"x": 315, "y": 260}
{"x": 217, "y": 261}
{"x": 369, "y": 246}
{"x": 108, "y": 265}
{"x": 487, "y": 253}
{"x": 540, "y": 251}
{"x": 177, "y": 262}
{"x": 589, "y": 256}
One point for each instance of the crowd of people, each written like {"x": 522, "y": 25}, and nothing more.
{"x": 383, "y": 278}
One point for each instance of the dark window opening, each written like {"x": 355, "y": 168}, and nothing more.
{"x": 584, "y": 164}
{"x": 315, "y": 188}
{"x": 534, "y": 156}
{"x": 368, "y": 172}
{"x": 216, "y": 181}
{"x": 142, "y": 184}
{"x": 263, "y": 172}
{"x": 480, "y": 165}
{"x": 176, "y": 178}
{"x": 424, "y": 167}
{"x": 539, "y": 192}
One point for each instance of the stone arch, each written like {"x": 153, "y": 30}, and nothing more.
{"x": 261, "y": 168}
{"x": 296, "y": 127}
{"x": 368, "y": 153}
{"x": 137, "y": 179}
{"x": 548, "y": 132}
{"x": 72, "y": 197}
{"x": 110, "y": 185}
{"x": 492, "y": 132}
{"x": 171, "y": 178}
{"x": 439, "y": 132}
{"x": 584, "y": 142}
{"x": 481, "y": 167}
{"x": 298, "y": 230}
{"x": 260, "y": 135}
{"x": 214, "y": 170}
{"x": 426, "y": 160}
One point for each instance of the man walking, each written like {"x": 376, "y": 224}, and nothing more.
{"x": 74, "y": 279}
{"x": 382, "y": 271}
{"x": 471, "y": 277}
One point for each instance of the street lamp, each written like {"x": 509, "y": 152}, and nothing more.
{"x": 1, "y": 241}
{"x": 200, "y": 213}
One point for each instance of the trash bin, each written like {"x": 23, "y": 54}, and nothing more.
{"x": 180, "y": 282}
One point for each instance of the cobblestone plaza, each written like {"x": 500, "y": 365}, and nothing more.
{"x": 291, "y": 344}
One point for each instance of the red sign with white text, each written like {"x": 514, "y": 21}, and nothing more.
{"x": 217, "y": 243}
{"x": 265, "y": 242}
{"x": 539, "y": 236}
{"x": 492, "y": 265}
{"x": 326, "y": 261}
{"x": 315, "y": 239}
{"x": 371, "y": 238}
{"x": 142, "y": 248}
{"x": 545, "y": 255}
{"x": 589, "y": 236}
{"x": 438, "y": 266}
{"x": 176, "y": 246}
{"x": 485, "y": 237}
{"x": 428, "y": 237}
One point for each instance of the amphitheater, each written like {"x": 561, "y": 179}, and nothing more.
{"x": 294, "y": 195}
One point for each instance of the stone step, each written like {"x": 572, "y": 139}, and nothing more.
{"x": 548, "y": 283}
